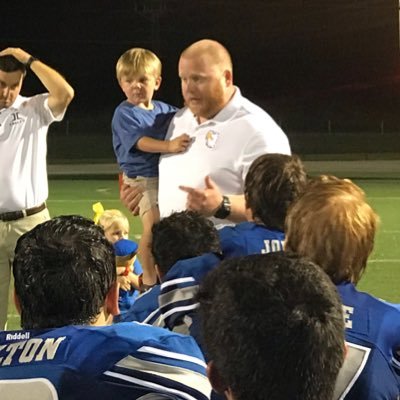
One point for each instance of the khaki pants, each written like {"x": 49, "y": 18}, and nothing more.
{"x": 149, "y": 187}
{"x": 10, "y": 231}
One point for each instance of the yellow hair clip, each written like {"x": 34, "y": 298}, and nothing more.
{"x": 98, "y": 211}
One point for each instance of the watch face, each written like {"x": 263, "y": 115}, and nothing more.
{"x": 224, "y": 209}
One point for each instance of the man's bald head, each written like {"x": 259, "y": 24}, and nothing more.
{"x": 216, "y": 52}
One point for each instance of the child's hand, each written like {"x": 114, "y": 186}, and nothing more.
{"x": 133, "y": 280}
{"x": 179, "y": 144}
{"x": 124, "y": 282}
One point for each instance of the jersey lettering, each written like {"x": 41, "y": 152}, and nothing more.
{"x": 18, "y": 336}
{"x": 31, "y": 350}
{"x": 347, "y": 314}
{"x": 272, "y": 246}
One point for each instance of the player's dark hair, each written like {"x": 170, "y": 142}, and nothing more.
{"x": 272, "y": 183}
{"x": 63, "y": 270}
{"x": 182, "y": 235}
{"x": 273, "y": 327}
{"x": 9, "y": 63}
{"x": 333, "y": 225}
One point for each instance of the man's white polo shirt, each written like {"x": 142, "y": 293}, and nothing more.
{"x": 223, "y": 147}
{"x": 23, "y": 150}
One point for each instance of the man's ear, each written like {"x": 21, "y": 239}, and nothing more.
{"x": 111, "y": 302}
{"x": 215, "y": 378}
{"x": 228, "y": 77}
{"x": 17, "y": 302}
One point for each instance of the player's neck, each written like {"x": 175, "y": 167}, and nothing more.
{"x": 103, "y": 319}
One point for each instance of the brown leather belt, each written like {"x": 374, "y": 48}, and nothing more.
{"x": 14, "y": 215}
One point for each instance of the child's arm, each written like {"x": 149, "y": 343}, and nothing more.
{"x": 124, "y": 282}
{"x": 150, "y": 145}
{"x": 123, "y": 278}
{"x": 127, "y": 279}
{"x": 134, "y": 280}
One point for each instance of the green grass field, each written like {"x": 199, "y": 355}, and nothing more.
{"x": 381, "y": 278}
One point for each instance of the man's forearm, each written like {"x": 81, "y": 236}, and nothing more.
{"x": 60, "y": 91}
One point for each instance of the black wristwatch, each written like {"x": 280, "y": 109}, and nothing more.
{"x": 31, "y": 59}
{"x": 224, "y": 208}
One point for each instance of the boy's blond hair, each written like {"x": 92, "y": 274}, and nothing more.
{"x": 137, "y": 61}
{"x": 113, "y": 217}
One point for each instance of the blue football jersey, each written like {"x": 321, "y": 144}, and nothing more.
{"x": 122, "y": 361}
{"x": 145, "y": 309}
{"x": 371, "y": 370}
{"x": 249, "y": 238}
{"x": 177, "y": 299}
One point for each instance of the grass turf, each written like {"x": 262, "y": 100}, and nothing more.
{"x": 382, "y": 274}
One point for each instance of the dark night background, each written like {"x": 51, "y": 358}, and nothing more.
{"x": 316, "y": 66}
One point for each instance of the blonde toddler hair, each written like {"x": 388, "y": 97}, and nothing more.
{"x": 138, "y": 61}
{"x": 107, "y": 218}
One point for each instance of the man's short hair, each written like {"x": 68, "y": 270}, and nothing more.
{"x": 9, "y": 63}
{"x": 182, "y": 235}
{"x": 272, "y": 183}
{"x": 63, "y": 270}
{"x": 273, "y": 327}
{"x": 137, "y": 61}
{"x": 333, "y": 225}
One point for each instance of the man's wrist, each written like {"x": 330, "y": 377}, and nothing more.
{"x": 31, "y": 59}
{"x": 224, "y": 209}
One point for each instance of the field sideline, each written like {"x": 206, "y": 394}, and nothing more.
{"x": 381, "y": 278}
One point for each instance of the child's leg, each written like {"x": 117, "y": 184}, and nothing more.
{"x": 149, "y": 218}
{"x": 149, "y": 214}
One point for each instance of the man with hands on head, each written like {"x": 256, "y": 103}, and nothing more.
{"x": 228, "y": 132}
{"x": 24, "y": 122}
